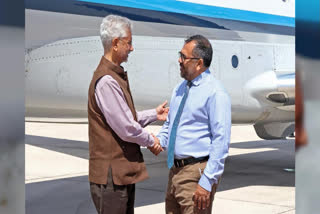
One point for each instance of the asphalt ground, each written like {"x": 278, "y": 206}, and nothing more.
{"x": 258, "y": 175}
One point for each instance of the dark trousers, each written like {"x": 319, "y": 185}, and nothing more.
{"x": 112, "y": 198}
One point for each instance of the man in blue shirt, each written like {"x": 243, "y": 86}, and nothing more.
{"x": 196, "y": 134}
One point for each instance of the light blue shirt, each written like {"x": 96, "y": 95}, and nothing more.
{"x": 205, "y": 125}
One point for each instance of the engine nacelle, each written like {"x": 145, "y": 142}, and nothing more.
{"x": 274, "y": 130}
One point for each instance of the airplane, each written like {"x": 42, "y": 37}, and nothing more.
{"x": 253, "y": 55}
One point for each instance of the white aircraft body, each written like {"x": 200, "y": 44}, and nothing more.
{"x": 253, "y": 55}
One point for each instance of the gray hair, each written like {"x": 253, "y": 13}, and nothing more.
{"x": 113, "y": 26}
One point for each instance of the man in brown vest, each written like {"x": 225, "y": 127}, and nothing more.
{"x": 115, "y": 128}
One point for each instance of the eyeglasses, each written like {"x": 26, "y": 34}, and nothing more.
{"x": 183, "y": 57}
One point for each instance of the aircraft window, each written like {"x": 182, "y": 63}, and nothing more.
{"x": 234, "y": 61}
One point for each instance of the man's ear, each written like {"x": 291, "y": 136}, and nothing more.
{"x": 200, "y": 64}
{"x": 115, "y": 43}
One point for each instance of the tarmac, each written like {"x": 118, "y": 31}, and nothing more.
{"x": 258, "y": 177}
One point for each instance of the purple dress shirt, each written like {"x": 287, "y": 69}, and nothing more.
{"x": 115, "y": 109}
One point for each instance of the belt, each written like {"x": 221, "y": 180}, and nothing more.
{"x": 184, "y": 162}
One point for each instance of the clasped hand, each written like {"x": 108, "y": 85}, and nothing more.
{"x": 156, "y": 148}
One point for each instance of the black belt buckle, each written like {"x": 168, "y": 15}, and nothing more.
{"x": 178, "y": 163}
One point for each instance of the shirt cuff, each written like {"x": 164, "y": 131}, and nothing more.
{"x": 147, "y": 116}
{"x": 151, "y": 143}
{"x": 206, "y": 183}
{"x": 151, "y": 114}
{"x": 161, "y": 144}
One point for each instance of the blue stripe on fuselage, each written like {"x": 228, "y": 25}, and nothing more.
{"x": 153, "y": 16}
{"x": 201, "y": 10}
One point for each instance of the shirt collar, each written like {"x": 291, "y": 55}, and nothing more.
{"x": 199, "y": 79}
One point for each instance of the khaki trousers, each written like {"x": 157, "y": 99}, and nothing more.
{"x": 182, "y": 184}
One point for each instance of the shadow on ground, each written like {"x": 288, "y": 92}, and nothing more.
{"x": 72, "y": 195}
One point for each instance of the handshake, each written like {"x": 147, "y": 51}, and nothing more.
{"x": 156, "y": 148}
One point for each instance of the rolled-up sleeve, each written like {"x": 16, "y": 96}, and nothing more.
{"x": 117, "y": 113}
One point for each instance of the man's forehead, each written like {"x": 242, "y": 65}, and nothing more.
{"x": 129, "y": 33}
{"x": 187, "y": 48}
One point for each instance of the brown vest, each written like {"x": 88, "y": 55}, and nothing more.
{"x": 105, "y": 147}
